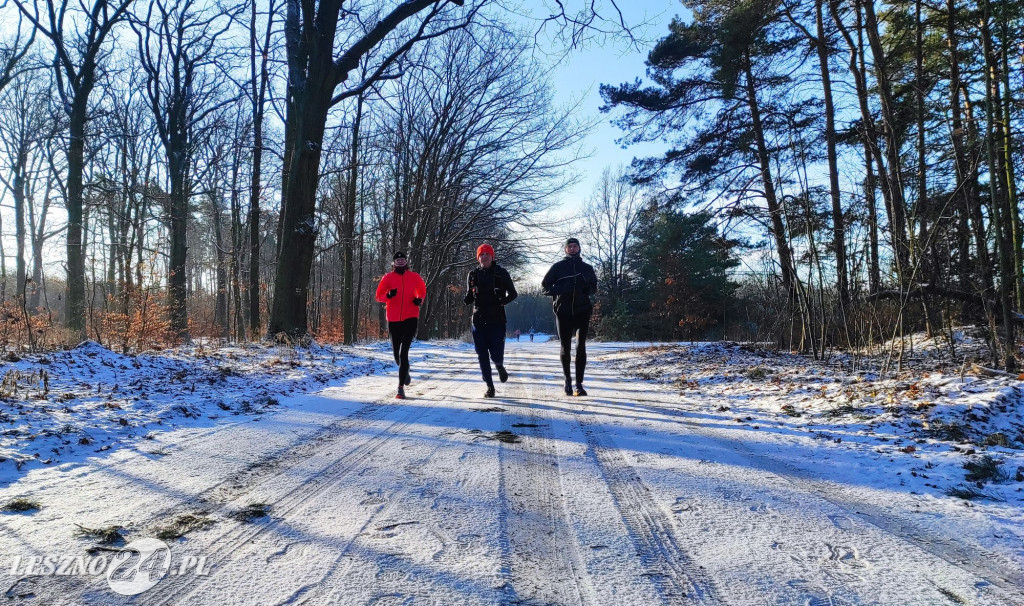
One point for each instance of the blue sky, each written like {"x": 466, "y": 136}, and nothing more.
{"x": 580, "y": 75}
{"x": 577, "y": 77}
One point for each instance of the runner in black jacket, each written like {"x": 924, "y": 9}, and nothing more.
{"x": 571, "y": 282}
{"x": 489, "y": 288}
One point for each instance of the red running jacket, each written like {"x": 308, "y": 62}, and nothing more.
{"x": 410, "y": 286}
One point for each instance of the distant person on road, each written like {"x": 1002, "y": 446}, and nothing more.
{"x": 517, "y": 335}
{"x": 402, "y": 291}
{"x": 531, "y": 334}
{"x": 571, "y": 282}
{"x": 489, "y": 288}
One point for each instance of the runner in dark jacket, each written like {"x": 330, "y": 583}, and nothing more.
{"x": 489, "y": 288}
{"x": 571, "y": 282}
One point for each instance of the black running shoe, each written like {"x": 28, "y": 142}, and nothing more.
{"x": 490, "y": 392}
{"x": 401, "y": 393}
{"x": 580, "y": 391}
{"x": 568, "y": 387}
{"x": 502, "y": 373}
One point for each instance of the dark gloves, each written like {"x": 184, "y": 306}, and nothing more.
{"x": 417, "y": 301}
{"x": 470, "y": 288}
{"x": 392, "y": 293}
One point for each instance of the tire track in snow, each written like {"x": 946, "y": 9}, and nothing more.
{"x": 322, "y": 592}
{"x": 673, "y": 574}
{"x": 972, "y": 559}
{"x": 241, "y": 536}
{"x": 678, "y": 579}
{"x": 540, "y": 559}
{"x": 217, "y": 497}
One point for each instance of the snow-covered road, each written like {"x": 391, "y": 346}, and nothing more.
{"x": 629, "y": 496}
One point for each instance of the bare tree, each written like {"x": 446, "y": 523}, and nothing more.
{"x": 259, "y": 86}
{"x": 474, "y": 147}
{"x": 316, "y": 72}
{"x": 24, "y": 121}
{"x": 610, "y": 219}
{"x": 13, "y": 51}
{"x": 78, "y": 34}
{"x": 178, "y": 50}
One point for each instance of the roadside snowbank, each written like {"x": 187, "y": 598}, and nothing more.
{"x": 61, "y": 407}
{"x": 928, "y": 423}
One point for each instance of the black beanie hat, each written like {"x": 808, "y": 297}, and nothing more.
{"x": 572, "y": 241}
{"x": 398, "y": 255}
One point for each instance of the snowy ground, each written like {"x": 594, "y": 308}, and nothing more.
{"x": 65, "y": 406}
{"x": 706, "y": 474}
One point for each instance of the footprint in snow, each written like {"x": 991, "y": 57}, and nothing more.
{"x": 846, "y": 556}
{"x": 841, "y": 522}
{"x": 684, "y": 505}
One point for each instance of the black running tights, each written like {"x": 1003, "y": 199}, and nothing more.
{"x": 566, "y": 326}
{"x": 402, "y": 334}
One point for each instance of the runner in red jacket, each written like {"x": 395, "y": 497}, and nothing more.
{"x": 402, "y": 291}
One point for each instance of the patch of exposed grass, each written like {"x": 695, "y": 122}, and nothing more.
{"x": 952, "y": 597}
{"x": 758, "y": 373}
{"x": 841, "y": 410}
{"x": 21, "y": 505}
{"x": 182, "y": 525}
{"x": 968, "y": 493}
{"x": 107, "y": 535}
{"x": 985, "y": 469}
{"x": 506, "y": 436}
{"x": 949, "y": 432}
{"x": 251, "y": 512}
{"x": 997, "y": 439}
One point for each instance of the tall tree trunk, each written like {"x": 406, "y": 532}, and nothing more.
{"x": 838, "y": 222}
{"x": 874, "y": 274}
{"x": 974, "y": 159}
{"x": 37, "y": 274}
{"x": 857, "y": 66}
{"x": 764, "y": 164}
{"x": 74, "y": 311}
{"x": 921, "y": 250}
{"x": 314, "y": 74}
{"x": 36, "y": 240}
{"x": 236, "y": 250}
{"x": 113, "y": 251}
{"x": 298, "y": 227}
{"x": 892, "y": 177}
{"x": 966, "y": 186}
{"x": 359, "y": 284}
{"x": 220, "y": 315}
{"x": 177, "y": 267}
{"x": 20, "y": 184}
{"x": 1006, "y": 160}
{"x": 348, "y": 230}
{"x": 259, "y": 88}
{"x": 999, "y": 208}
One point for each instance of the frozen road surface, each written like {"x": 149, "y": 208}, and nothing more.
{"x": 634, "y": 495}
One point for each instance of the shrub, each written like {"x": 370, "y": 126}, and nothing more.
{"x": 985, "y": 469}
